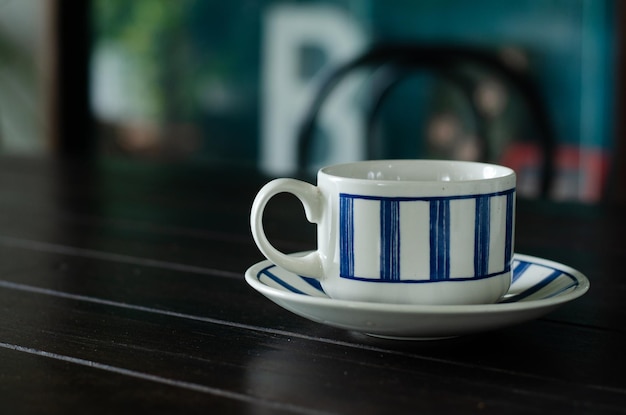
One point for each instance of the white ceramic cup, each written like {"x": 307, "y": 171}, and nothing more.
{"x": 403, "y": 231}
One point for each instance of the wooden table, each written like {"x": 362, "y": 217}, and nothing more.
{"x": 122, "y": 291}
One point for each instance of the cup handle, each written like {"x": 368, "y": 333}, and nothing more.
{"x": 309, "y": 265}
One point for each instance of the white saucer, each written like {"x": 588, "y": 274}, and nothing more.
{"x": 539, "y": 286}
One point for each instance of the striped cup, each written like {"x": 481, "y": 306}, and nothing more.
{"x": 404, "y": 231}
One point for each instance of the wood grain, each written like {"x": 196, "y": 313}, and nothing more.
{"x": 122, "y": 290}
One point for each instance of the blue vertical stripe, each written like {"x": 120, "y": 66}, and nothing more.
{"x": 508, "y": 250}
{"x": 482, "y": 222}
{"x": 346, "y": 236}
{"x": 439, "y": 239}
{"x": 389, "y": 240}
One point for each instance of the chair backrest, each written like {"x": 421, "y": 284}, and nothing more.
{"x": 72, "y": 132}
{"x": 403, "y": 59}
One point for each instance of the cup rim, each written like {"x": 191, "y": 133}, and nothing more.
{"x": 362, "y": 171}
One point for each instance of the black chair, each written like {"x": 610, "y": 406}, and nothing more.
{"x": 400, "y": 60}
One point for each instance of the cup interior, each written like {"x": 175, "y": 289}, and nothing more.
{"x": 418, "y": 170}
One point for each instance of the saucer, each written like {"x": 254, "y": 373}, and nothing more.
{"x": 539, "y": 286}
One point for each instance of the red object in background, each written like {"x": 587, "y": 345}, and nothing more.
{"x": 580, "y": 173}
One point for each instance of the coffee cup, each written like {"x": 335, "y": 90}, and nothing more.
{"x": 430, "y": 232}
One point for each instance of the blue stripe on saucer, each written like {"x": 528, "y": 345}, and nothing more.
{"x": 279, "y": 281}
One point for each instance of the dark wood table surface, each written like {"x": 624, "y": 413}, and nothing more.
{"x": 122, "y": 291}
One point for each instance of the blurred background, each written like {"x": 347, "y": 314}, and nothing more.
{"x": 230, "y": 82}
